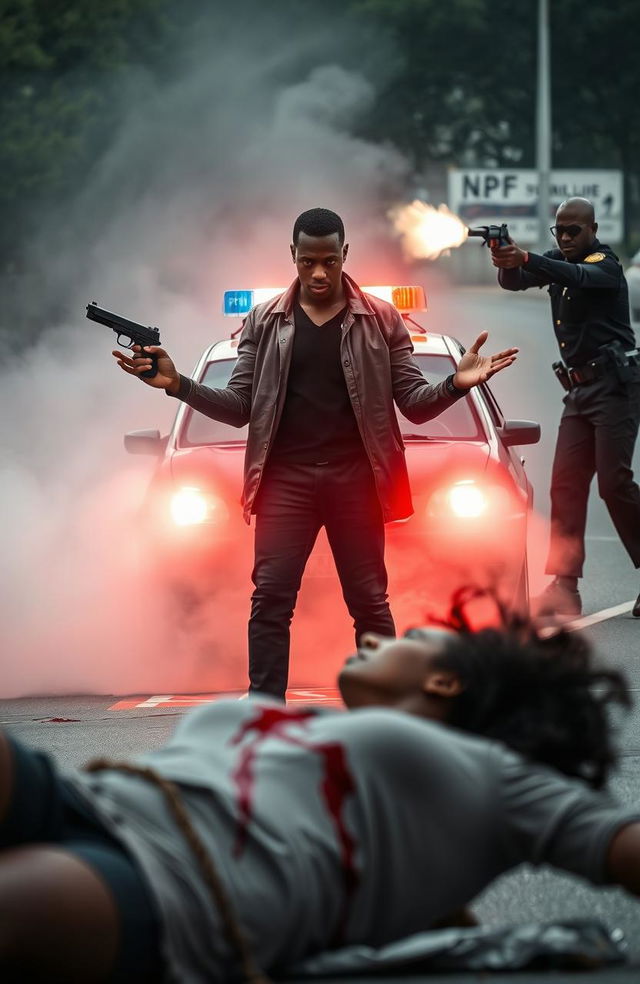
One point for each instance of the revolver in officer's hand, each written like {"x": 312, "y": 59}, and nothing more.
{"x": 493, "y": 235}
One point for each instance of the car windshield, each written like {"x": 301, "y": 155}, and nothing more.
{"x": 459, "y": 422}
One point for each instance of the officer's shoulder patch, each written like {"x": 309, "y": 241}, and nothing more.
{"x": 595, "y": 258}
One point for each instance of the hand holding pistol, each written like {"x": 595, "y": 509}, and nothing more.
{"x": 505, "y": 253}
{"x": 149, "y": 362}
{"x": 493, "y": 235}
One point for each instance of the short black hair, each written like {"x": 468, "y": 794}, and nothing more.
{"x": 318, "y": 222}
{"x": 540, "y": 691}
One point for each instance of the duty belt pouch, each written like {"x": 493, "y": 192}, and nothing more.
{"x": 562, "y": 373}
{"x": 622, "y": 363}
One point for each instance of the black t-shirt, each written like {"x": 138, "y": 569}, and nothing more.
{"x": 317, "y": 422}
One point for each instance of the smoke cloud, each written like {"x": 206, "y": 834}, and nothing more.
{"x": 197, "y": 192}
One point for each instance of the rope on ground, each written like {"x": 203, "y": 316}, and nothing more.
{"x": 231, "y": 925}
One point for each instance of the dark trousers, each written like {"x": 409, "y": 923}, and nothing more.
{"x": 294, "y": 502}
{"x": 597, "y": 435}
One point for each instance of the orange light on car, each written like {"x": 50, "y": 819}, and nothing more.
{"x": 191, "y": 506}
{"x": 405, "y": 299}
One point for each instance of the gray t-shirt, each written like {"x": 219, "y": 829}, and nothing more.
{"x": 331, "y": 828}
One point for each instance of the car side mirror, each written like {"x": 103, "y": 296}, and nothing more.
{"x": 519, "y": 432}
{"x": 144, "y": 442}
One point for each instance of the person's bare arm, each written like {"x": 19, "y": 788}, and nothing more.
{"x": 623, "y": 858}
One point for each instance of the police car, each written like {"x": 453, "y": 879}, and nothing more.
{"x": 470, "y": 491}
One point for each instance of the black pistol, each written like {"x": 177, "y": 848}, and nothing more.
{"x": 493, "y": 235}
{"x": 135, "y": 333}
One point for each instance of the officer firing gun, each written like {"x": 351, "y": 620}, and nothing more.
{"x": 493, "y": 235}
{"x": 599, "y": 370}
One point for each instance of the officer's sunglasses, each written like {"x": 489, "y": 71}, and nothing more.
{"x": 562, "y": 230}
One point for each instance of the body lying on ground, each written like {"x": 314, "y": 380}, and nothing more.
{"x": 262, "y": 834}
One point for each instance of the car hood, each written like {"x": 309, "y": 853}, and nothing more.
{"x": 427, "y": 461}
{"x": 430, "y": 462}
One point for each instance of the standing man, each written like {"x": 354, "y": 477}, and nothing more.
{"x": 318, "y": 370}
{"x": 599, "y": 424}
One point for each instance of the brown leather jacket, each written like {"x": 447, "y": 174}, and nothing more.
{"x": 378, "y": 366}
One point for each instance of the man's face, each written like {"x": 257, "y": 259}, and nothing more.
{"x": 574, "y": 232}
{"x": 389, "y": 672}
{"x": 319, "y": 261}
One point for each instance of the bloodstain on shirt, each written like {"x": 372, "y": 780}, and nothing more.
{"x": 337, "y": 783}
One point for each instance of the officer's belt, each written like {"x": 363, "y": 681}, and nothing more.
{"x": 595, "y": 369}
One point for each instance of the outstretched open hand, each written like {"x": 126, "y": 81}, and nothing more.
{"x": 474, "y": 368}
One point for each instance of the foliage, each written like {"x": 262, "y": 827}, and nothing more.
{"x": 455, "y": 81}
{"x": 61, "y": 64}
{"x": 458, "y": 95}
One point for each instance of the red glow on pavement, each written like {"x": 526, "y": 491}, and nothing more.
{"x": 324, "y": 696}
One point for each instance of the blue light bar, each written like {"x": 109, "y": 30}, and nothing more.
{"x": 237, "y": 303}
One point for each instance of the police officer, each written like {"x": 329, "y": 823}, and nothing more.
{"x": 599, "y": 424}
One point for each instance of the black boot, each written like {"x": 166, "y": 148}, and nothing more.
{"x": 562, "y": 597}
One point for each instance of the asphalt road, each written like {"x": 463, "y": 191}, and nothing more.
{"x": 75, "y": 729}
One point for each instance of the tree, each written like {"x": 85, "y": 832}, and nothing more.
{"x": 457, "y": 94}
{"x": 60, "y": 67}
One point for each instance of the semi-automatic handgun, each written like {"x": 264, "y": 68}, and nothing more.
{"x": 135, "y": 333}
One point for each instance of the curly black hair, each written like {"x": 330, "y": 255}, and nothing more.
{"x": 540, "y": 691}
{"x": 318, "y": 222}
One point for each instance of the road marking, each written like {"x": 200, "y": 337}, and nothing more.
{"x": 326, "y": 696}
{"x": 166, "y": 700}
{"x": 602, "y": 616}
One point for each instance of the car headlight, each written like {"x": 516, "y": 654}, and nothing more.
{"x": 191, "y": 506}
{"x": 470, "y": 500}
{"x": 467, "y": 500}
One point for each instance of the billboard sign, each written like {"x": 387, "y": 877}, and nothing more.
{"x": 482, "y": 196}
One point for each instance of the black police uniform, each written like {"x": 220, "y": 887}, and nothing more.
{"x": 599, "y": 424}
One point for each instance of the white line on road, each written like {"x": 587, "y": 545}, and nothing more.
{"x": 602, "y": 616}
